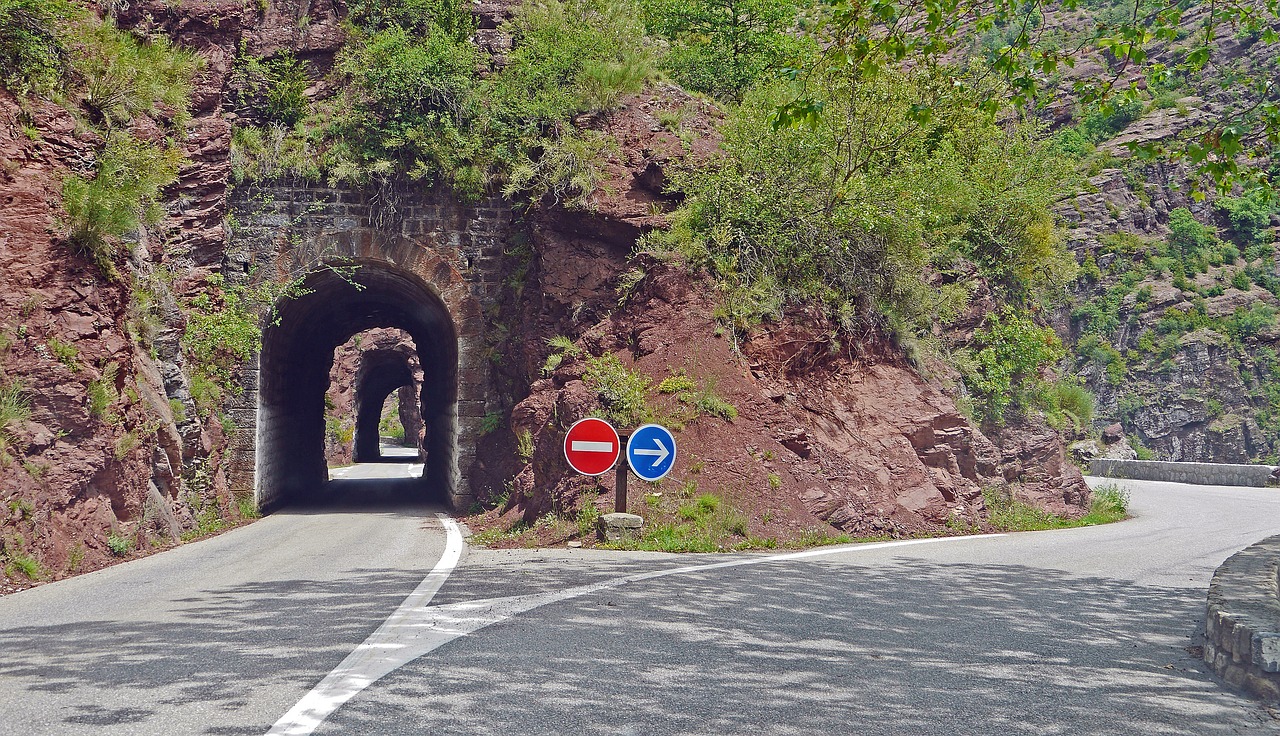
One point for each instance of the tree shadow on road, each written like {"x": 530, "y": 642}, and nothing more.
{"x": 909, "y": 647}
{"x": 218, "y": 652}
{"x": 806, "y": 647}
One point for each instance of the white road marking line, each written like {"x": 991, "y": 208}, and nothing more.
{"x": 415, "y": 630}
{"x": 588, "y": 446}
{"x": 379, "y": 654}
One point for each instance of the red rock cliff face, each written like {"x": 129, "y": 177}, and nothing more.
{"x": 859, "y": 441}
{"x": 132, "y": 466}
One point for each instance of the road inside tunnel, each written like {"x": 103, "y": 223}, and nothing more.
{"x": 335, "y": 303}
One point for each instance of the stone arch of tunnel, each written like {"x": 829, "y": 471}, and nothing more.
{"x": 294, "y": 365}
{"x": 380, "y": 373}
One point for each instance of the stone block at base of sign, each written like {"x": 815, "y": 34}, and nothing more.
{"x": 617, "y": 526}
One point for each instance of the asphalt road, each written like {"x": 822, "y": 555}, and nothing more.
{"x": 1083, "y": 631}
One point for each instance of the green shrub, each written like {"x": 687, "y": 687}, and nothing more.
{"x": 1098, "y": 316}
{"x": 65, "y": 353}
{"x": 413, "y": 105}
{"x": 524, "y": 445}
{"x": 24, "y": 564}
{"x": 491, "y": 423}
{"x": 562, "y": 348}
{"x": 415, "y": 16}
{"x": 1249, "y": 216}
{"x": 701, "y": 399}
{"x": 722, "y": 47}
{"x": 706, "y": 402}
{"x": 1072, "y": 142}
{"x": 1008, "y": 514}
{"x": 676, "y": 384}
{"x": 1066, "y": 401}
{"x": 272, "y": 90}
{"x": 623, "y": 393}
{"x": 224, "y": 329}
{"x": 102, "y": 394}
{"x": 1110, "y": 503}
{"x": 1179, "y": 321}
{"x": 123, "y": 194}
{"x": 780, "y": 220}
{"x": 33, "y": 52}
{"x": 272, "y": 152}
{"x": 1186, "y": 235}
{"x": 570, "y": 57}
{"x": 1009, "y": 351}
{"x": 1240, "y": 280}
{"x": 124, "y": 77}
{"x": 1245, "y": 323}
{"x": 15, "y": 409}
{"x": 247, "y": 507}
{"x": 405, "y": 105}
{"x": 1107, "y": 119}
{"x": 119, "y": 545}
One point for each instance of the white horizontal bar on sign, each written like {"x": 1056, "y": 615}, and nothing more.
{"x": 585, "y": 446}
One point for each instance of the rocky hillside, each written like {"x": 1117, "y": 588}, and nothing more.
{"x": 1173, "y": 320}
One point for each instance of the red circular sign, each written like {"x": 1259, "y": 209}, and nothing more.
{"x": 591, "y": 446}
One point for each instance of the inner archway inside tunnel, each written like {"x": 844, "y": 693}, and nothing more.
{"x": 405, "y": 346}
{"x": 372, "y": 409}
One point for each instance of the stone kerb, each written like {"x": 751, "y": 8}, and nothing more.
{"x": 1242, "y": 623}
{"x": 1211, "y": 474}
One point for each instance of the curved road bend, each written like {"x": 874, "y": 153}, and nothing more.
{"x": 1086, "y": 631}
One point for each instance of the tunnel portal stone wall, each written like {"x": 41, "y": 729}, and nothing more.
{"x": 286, "y": 232}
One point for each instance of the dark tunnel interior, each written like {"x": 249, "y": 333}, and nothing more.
{"x": 297, "y": 353}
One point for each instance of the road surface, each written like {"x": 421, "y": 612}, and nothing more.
{"x": 298, "y": 624}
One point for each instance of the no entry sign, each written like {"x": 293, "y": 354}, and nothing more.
{"x": 591, "y": 446}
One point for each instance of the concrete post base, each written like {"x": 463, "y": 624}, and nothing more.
{"x": 617, "y": 526}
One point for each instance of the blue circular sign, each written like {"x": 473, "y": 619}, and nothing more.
{"x": 651, "y": 452}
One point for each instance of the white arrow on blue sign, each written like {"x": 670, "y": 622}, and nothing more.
{"x": 651, "y": 452}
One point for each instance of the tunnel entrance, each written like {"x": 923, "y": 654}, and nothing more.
{"x": 295, "y": 366}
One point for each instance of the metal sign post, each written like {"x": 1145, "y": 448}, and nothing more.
{"x": 620, "y": 487}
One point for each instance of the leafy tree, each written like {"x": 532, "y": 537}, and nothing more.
{"x": 1149, "y": 44}
{"x": 870, "y": 212}
{"x": 721, "y": 47}
{"x": 1249, "y": 216}
{"x": 1186, "y": 235}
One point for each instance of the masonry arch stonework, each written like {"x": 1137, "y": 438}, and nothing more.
{"x": 431, "y": 270}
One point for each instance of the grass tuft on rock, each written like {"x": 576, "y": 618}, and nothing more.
{"x": 1008, "y": 514}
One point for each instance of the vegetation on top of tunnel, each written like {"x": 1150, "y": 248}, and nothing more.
{"x": 410, "y": 104}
